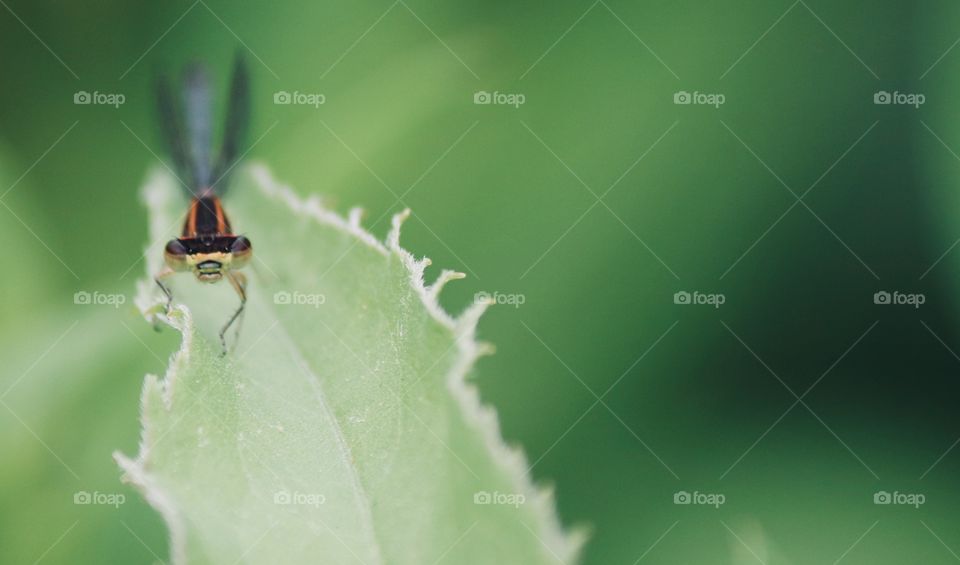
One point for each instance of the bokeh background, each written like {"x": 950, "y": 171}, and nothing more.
{"x": 596, "y": 200}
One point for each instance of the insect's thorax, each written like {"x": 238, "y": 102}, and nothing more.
{"x": 206, "y": 219}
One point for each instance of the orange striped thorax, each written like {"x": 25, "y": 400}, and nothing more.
{"x": 206, "y": 217}
{"x": 207, "y": 245}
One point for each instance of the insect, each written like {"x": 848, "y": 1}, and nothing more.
{"x": 207, "y": 245}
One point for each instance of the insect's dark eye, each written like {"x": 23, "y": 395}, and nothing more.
{"x": 241, "y": 245}
{"x": 174, "y": 247}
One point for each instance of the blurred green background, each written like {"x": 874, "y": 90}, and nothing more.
{"x": 700, "y": 199}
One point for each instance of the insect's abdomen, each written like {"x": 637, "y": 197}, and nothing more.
{"x": 206, "y": 218}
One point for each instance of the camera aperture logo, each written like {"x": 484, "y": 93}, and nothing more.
{"x": 84, "y": 498}
{"x": 915, "y": 499}
{"x": 296, "y": 498}
{"x": 896, "y": 98}
{"x": 698, "y": 498}
{"x": 297, "y": 98}
{"x": 97, "y": 98}
{"x": 515, "y": 300}
{"x": 500, "y": 498}
{"x": 496, "y": 98}
{"x": 97, "y": 298}
{"x": 698, "y": 298}
{"x": 697, "y": 98}
{"x": 297, "y": 298}
{"x": 897, "y": 298}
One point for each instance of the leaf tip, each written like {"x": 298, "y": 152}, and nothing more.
{"x": 355, "y": 216}
{"x": 446, "y": 276}
{"x": 393, "y": 238}
{"x": 470, "y": 317}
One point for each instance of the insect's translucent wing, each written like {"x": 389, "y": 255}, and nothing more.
{"x": 172, "y": 130}
{"x": 237, "y": 122}
{"x": 198, "y": 102}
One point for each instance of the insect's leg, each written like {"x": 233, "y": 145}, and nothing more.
{"x": 239, "y": 283}
{"x": 242, "y": 280}
{"x": 165, "y": 273}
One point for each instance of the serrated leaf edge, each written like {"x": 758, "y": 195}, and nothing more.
{"x": 561, "y": 544}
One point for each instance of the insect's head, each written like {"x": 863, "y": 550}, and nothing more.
{"x": 208, "y": 258}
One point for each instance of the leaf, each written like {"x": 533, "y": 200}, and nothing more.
{"x": 342, "y": 429}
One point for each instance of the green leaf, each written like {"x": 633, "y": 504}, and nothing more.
{"x": 342, "y": 428}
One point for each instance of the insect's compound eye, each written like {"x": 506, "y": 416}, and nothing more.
{"x": 174, "y": 247}
{"x": 241, "y": 245}
{"x": 241, "y": 249}
{"x": 175, "y": 254}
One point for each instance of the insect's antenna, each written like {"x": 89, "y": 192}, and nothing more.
{"x": 197, "y": 101}
{"x": 237, "y": 122}
{"x": 172, "y": 131}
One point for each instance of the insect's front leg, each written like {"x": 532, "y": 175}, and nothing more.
{"x": 239, "y": 283}
{"x": 166, "y": 272}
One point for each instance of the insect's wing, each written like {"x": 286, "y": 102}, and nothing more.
{"x": 237, "y": 122}
{"x": 172, "y": 130}
{"x": 198, "y": 104}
